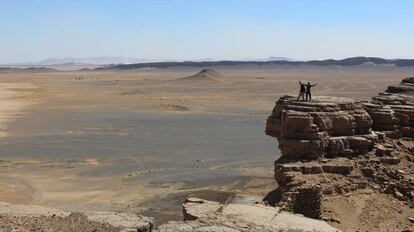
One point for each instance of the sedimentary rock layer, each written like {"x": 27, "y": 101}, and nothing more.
{"x": 327, "y": 126}
{"x": 335, "y": 145}
{"x": 392, "y": 111}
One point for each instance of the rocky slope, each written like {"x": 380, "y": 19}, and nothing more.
{"x": 332, "y": 146}
{"x": 38, "y": 218}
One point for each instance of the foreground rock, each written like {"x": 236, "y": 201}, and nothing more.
{"x": 37, "y": 218}
{"x": 201, "y": 215}
{"x": 332, "y": 146}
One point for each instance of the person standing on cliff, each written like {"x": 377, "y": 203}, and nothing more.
{"x": 308, "y": 91}
{"x": 302, "y": 91}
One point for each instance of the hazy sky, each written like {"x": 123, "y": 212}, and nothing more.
{"x": 32, "y": 30}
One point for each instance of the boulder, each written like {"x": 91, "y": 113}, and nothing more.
{"x": 195, "y": 208}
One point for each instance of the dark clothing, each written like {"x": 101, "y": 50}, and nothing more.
{"x": 302, "y": 88}
{"x": 308, "y": 91}
{"x": 308, "y": 96}
{"x": 302, "y": 91}
{"x": 308, "y": 88}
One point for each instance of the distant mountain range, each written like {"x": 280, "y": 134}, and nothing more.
{"x": 353, "y": 61}
{"x": 91, "y": 60}
{"x": 119, "y": 60}
{"x": 271, "y": 61}
{"x": 272, "y": 58}
{"x": 29, "y": 69}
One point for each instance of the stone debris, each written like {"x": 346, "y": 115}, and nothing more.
{"x": 123, "y": 222}
{"x": 30, "y": 210}
{"x": 74, "y": 222}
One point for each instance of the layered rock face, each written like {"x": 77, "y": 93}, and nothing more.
{"x": 202, "y": 216}
{"x": 325, "y": 127}
{"x": 393, "y": 110}
{"x": 336, "y": 145}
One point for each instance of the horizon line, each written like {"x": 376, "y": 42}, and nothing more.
{"x": 147, "y": 60}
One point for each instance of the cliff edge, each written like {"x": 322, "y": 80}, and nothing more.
{"x": 336, "y": 146}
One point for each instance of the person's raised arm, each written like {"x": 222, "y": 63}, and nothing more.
{"x": 314, "y": 85}
{"x": 300, "y": 83}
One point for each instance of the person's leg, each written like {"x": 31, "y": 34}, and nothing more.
{"x": 299, "y": 95}
{"x": 307, "y": 96}
{"x": 303, "y": 96}
{"x": 310, "y": 97}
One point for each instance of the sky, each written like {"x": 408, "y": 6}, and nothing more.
{"x": 33, "y": 30}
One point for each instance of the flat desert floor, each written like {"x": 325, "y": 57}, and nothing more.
{"x": 143, "y": 140}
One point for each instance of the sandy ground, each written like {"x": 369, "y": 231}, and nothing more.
{"x": 104, "y": 141}
{"x": 14, "y": 97}
{"x": 369, "y": 211}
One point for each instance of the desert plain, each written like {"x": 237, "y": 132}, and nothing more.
{"x": 143, "y": 140}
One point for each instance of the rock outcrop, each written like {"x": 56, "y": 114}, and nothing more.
{"x": 336, "y": 145}
{"x": 393, "y": 110}
{"x": 203, "y": 216}
{"x": 325, "y": 127}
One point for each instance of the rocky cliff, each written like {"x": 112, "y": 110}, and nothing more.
{"x": 392, "y": 111}
{"x": 332, "y": 146}
{"x": 325, "y": 127}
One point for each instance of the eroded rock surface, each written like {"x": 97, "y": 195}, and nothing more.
{"x": 332, "y": 146}
{"x": 202, "y": 215}
{"x": 327, "y": 126}
{"x": 25, "y": 217}
{"x": 127, "y": 222}
{"x": 392, "y": 111}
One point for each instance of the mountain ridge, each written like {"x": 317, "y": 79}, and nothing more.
{"x": 352, "y": 61}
